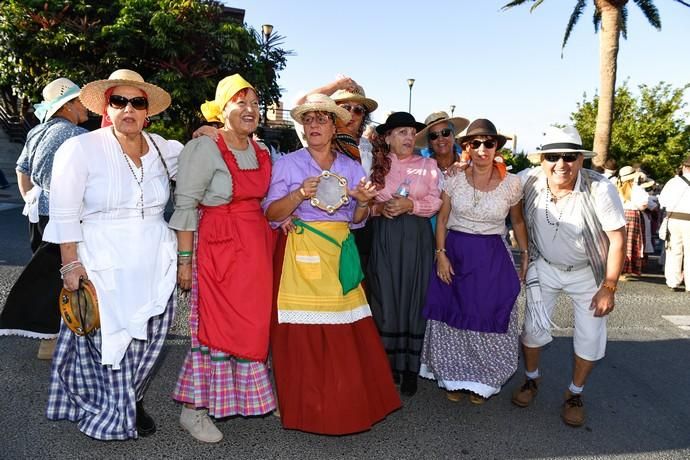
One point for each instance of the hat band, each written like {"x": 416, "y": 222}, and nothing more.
{"x": 561, "y": 145}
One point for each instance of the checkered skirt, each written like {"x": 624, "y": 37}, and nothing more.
{"x": 101, "y": 400}
{"x": 634, "y": 242}
{"x": 215, "y": 380}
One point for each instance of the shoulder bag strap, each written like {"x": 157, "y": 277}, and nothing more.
{"x": 304, "y": 225}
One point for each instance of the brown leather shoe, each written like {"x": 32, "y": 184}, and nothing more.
{"x": 46, "y": 349}
{"x": 454, "y": 396}
{"x": 573, "y": 411}
{"x": 523, "y": 396}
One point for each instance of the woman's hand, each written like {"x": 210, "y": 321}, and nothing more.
{"x": 208, "y": 131}
{"x": 345, "y": 83}
{"x": 364, "y": 191}
{"x": 309, "y": 186}
{"x": 288, "y": 226}
{"x": 184, "y": 276}
{"x": 444, "y": 269}
{"x": 71, "y": 279}
{"x": 396, "y": 206}
{"x": 457, "y": 167}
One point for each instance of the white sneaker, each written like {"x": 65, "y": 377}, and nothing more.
{"x": 199, "y": 425}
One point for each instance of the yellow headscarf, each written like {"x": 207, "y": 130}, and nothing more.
{"x": 226, "y": 89}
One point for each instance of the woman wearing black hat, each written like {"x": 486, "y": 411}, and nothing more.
{"x": 402, "y": 247}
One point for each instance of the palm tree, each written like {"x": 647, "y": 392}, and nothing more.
{"x": 610, "y": 16}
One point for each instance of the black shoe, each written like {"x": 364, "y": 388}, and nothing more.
{"x": 677, "y": 289}
{"x": 396, "y": 377}
{"x": 145, "y": 424}
{"x": 409, "y": 383}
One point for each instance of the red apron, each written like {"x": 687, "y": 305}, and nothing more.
{"x": 234, "y": 264}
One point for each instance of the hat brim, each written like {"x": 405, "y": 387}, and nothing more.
{"x": 535, "y": 157}
{"x": 421, "y": 140}
{"x": 385, "y": 127}
{"x": 93, "y": 95}
{"x": 58, "y": 103}
{"x": 369, "y": 104}
{"x": 500, "y": 139}
{"x": 300, "y": 110}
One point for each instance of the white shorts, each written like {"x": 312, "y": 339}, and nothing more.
{"x": 589, "y": 336}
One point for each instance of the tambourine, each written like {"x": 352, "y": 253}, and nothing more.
{"x": 331, "y": 193}
{"x": 79, "y": 309}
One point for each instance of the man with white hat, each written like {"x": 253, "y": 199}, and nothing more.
{"x": 576, "y": 227}
{"x": 30, "y": 309}
{"x": 675, "y": 197}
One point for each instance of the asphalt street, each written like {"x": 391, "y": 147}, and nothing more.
{"x": 637, "y": 400}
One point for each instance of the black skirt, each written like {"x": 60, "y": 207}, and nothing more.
{"x": 401, "y": 259}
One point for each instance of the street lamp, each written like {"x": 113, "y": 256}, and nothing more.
{"x": 410, "y": 83}
{"x": 452, "y": 110}
{"x": 266, "y": 30}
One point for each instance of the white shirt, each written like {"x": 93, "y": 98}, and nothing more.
{"x": 639, "y": 199}
{"x": 675, "y": 196}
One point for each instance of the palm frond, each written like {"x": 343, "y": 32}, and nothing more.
{"x": 596, "y": 20}
{"x": 574, "y": 17}
{"x": 683, "y": 3}
{"x": 536, "y": 4}
{"x": 650, "y": 12}
{"x": 623, "y": 22}
{"x": 517, "y": 3}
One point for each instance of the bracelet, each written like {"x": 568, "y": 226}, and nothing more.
{"x": 440, "y": 250}
{"x": 302, "y": 193}
{"x": 365, "y": 205}
{"x": 68, "y": 267}
{"x": 183, "y": 262}
{"x": 184, "y": 253}
{"x": 524, "y": 251}
{"x": 610, "y": 287}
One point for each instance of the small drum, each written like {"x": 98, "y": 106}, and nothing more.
{"x": 331, "y": 193}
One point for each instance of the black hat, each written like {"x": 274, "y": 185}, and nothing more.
{"x": 483, "y": 127}
{"x": 398, "y": 120}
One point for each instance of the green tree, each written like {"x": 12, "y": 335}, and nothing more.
{"x": 185, "y": 46}
{"x": 611, "y": 17}
{"x": 649, "y": 128}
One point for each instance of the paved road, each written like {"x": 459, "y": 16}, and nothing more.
{"x": 638, "y": 399}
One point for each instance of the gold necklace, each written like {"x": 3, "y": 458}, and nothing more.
{"x": 139, "y": 181}
{"x": 476, "y": 194}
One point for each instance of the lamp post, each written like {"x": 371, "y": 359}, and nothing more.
{"x": 266, "y": 30}
{"x": 410, "y": 83}
{"x": 452, "y": 110}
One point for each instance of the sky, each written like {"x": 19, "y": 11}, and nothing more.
{"x": 502, "y": 65}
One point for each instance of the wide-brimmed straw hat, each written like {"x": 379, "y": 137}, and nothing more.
{"x": 319, "y": 103}
{"x": 399, "y": 120}
{"x": 357, "y": 95}
{"x": 557, "y": 140}
{"x": 627, "y": 173}
{"x": 483, "y": 127}
{"x": 459, "y": 123}
{"x": 93, "y": 94}
{"x": 55, "y": 94}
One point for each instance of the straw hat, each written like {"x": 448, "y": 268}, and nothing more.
{"x": 226, "y": 89}
{"x": 483, "y": 127}
{"x": 55, "y": 94}
{"x": 566, "y": 139}
{"x": 627, "y": 173}
{"x": 459, "y": 123}
{"x": 93, "y": 94}
{"x": 319, "y": 103}
{"x": 358, "y": 96}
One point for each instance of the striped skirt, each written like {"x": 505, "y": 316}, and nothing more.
{"x": 215, "y": 380}
{"x": 102, "y": 401}
{"x": 634, "y": 242}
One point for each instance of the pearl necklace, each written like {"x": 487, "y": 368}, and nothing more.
{"x": 139, "y": 181}
{"x": 552, "y": 199}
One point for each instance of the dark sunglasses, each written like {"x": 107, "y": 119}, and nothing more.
{"x": 120, "y": 102}
{"x": 489, "y": 144}
{"x": 356, "y": 109}
{"x": 444, "y": 132}
{"x": 568, "y": 157}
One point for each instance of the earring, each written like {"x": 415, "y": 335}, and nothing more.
{"x": 147, "y": 119}
{"x": 107, "y": 117}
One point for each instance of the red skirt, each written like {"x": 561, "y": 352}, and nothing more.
{"x": 634, "y": 242}
{"x": 332, "y": 378}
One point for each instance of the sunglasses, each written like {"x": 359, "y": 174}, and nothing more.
{"x": 356, "y": 109}
{"x": 444, "y": 132}
{"x": 568, "y": 157}
{"x": 319, "y": 119}
{"x": 120, "y": 102}
{"x": 489, "y": 144}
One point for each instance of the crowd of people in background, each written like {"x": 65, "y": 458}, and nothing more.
{"x": 321, "y": 282}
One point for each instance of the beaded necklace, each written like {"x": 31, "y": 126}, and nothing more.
{"x": 477, "y": 194}
{"x": 551, "y": 198}
{"x": 139, "y": 181}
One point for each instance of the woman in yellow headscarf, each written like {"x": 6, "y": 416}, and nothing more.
{"x": 225, "y": 257}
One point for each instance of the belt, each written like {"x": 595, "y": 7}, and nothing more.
{"x": 565, "y": 268}
{"x": 679, "y": 215}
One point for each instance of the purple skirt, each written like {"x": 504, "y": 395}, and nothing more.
{"x": 483, "y": 290}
